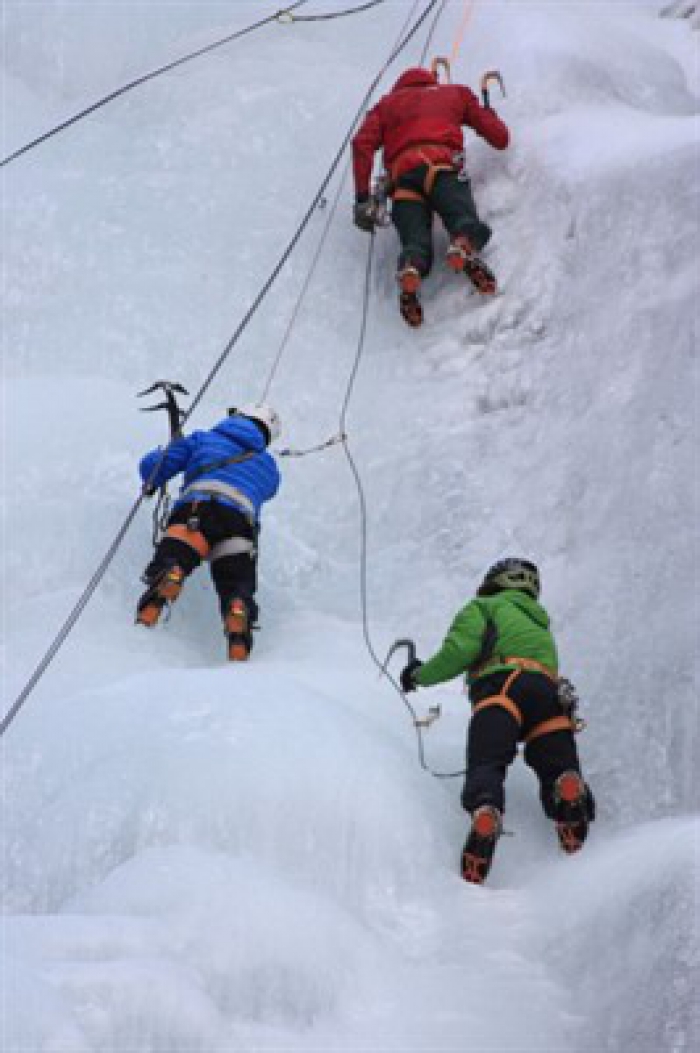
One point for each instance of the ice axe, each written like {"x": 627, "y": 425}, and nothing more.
{"x": 171, "y": 389}
{"x": 435, "y": 711}
{"x": 491, "y": 75}
{"x": 440, "y": 63}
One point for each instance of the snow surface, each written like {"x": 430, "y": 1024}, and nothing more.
{"x": 197, "y": 857}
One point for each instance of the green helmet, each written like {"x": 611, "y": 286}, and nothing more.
{"x": 511, "y": 573}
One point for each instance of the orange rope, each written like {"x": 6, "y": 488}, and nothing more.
{"x": 466, "y": 18}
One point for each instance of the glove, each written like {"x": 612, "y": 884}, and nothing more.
{"x": 363, "y": 213}
{"x": 408, "y": 676}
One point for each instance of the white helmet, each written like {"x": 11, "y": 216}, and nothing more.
{"x": 264, "y": 415}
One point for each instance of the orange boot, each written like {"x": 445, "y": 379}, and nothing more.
{"x": 462, "y": 257}
{"x": 165, "y": 589}
{"x": 409, "y": 280}
{"x": 237, "y": 629}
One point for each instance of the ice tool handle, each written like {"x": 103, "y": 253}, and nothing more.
{"x": 435, "y": 711}
{"x": 175, "y": 414}
{"x": 491, "y": 75}
{"x": 379, "y": 201}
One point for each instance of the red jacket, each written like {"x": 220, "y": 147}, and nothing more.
{"x": 420, "y": 119}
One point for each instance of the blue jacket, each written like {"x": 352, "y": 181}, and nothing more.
{"x": 258, "y": 477}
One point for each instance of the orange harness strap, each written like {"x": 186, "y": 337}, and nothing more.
{"x": 545, "y": 727}
{"x": 531, "y": 665}
{"x": 433, "y": 173}
{"x": 548, "y": 726}
{"x": 430, "y": 176}
{"x": 408, "y": 195}
{"x": 194, "y": 538}
{"x": 502, "y": 700}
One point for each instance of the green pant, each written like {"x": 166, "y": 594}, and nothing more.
{"x": 452, "y": 199}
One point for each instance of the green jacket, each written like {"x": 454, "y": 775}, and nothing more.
{"x": 523, "y": 631}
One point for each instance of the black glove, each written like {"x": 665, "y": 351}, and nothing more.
{"x": 408, "y": 676}
{"x": 363, "y": 213}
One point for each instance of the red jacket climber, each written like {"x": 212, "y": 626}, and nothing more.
{"x": 419, "y": 127}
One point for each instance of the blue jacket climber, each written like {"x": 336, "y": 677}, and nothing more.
{"x": 228, "y": 476}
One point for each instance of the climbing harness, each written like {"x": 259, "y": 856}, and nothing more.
{"x": 170, "y": 389}
{"x": 118, "y": 92}
{"x": 566, "y": 696}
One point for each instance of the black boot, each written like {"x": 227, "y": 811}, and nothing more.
{"x": 477, "y": 854}
{"x": 573, "y": 810}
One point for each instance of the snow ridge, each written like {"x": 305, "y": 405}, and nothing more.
{"x": 201, "y": 858}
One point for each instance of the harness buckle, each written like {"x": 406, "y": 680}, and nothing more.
{"x": 459, "y": 160}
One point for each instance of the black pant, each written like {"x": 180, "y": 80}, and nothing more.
{"x": 234, "y": 576}
{"x": 452, "y": 199}
{"x": 493, "y": 737}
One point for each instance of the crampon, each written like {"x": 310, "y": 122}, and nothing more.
{"x": 477, "y": 854}
{"x": 237, "y": 629}
{"x": 409, "y": 280}
{"x": 571, "y": 807}
{"x": 462, "y": 258}
{"x": 165, "y": 589}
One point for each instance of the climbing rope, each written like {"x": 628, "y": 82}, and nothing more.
{"x": 331, "y": 213}
{"x": 442, "y": 62}
{"x": 106, "y": 561}
{"x": 287, "y": 18}
{"x": 462, "y": 29}
{"x": 431, "y": 32}
{"x": 138, "y": 81}
{"x": 418, "y": 723}
{"x": 305, "y": 288}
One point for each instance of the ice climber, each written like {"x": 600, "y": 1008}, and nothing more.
{"x": 502, "y": 642}
{"x": 228, "y": 475}
{"x": 419, "y": 126}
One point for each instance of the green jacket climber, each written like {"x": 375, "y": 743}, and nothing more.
{"x": 521, "y": 623}
{"x": 501, "y": 641}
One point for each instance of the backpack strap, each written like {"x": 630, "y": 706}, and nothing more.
{"x": 214, "y": 466}
{"x": 489, "y": 640}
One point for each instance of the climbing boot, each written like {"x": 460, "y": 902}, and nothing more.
{"x": 409, "y": 280}
{"x": 237, "y": 629}
{"x": 463, "y": 258}
{"x": 164, "y": 589}
{"x": 477, "y": 854}
{"x": 411, "y": 310}
{"x": 571, "y": 809}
